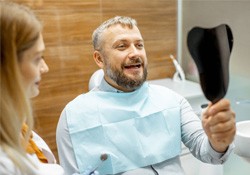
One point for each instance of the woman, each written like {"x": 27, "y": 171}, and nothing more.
{"x": 21, "y": 150}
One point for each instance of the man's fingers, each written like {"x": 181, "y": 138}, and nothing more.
{"x": 222, "y": 105}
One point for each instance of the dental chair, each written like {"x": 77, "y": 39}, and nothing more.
{"x": 96, "y": 79}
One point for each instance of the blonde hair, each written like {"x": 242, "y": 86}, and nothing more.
{"x": 20, "y": 30}
{"x": 122, "y": 20}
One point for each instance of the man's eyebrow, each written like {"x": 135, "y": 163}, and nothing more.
{"x": 121, "y": 40}
{"x": 141, "y": 40}
{"x": 126, "y": 41}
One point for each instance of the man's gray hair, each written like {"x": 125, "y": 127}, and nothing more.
{"x": 122, "y": 20}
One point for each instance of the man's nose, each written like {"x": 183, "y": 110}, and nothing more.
{"x": 134, "y": 51}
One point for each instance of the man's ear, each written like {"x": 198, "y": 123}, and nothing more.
{"x": 98, "y": 58}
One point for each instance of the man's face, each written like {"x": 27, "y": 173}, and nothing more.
{"x": 124, "y": 57}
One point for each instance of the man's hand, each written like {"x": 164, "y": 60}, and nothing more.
{"x": 218, "y": 122}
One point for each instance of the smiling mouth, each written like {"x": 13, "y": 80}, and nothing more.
{"x": 132, "y": 66}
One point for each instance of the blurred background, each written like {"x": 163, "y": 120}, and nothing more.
{"x": 164, "y": 24}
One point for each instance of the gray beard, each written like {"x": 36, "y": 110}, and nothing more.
{"x": 122, "y": 80}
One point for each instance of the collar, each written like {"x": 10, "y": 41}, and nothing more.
{"x": 104, "y": 86}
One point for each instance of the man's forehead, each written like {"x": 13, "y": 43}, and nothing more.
{"x": 118, "y": 31}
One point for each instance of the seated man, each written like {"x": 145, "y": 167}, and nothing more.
{"x": 138, "y": 126}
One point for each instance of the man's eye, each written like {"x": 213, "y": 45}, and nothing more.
{"x": 121, "y": 46}
{"x": 140, "y": 45}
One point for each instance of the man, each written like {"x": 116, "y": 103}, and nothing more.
{"x": 138, "y": 126}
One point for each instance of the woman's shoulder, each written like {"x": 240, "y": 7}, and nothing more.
{"x": 55, "y": 169}
{"x": 7, "y": 166}
{"x": 42, "y": 145}
{"x": 44, "y": 168}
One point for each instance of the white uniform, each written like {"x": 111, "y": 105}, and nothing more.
{"x": 7, "y": 167}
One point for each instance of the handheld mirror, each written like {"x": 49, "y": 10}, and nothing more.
{"x": 210, "y": 49}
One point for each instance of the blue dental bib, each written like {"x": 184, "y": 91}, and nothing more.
{"x": 135, "y": 129}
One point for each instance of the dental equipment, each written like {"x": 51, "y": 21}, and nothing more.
{"x": 179, "y": 74}
{"x": 103, "y": 157}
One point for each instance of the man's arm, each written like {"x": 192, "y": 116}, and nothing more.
{"x": 218, "y": 122}
{"x": 64, "y": 145}
{"x": 195, "y": 138}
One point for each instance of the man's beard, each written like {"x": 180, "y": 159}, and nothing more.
{"x": 124, "y": 81}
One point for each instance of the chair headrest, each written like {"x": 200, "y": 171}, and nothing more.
{"x": 96, "y": 79}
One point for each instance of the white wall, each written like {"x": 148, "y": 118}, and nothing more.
{"x": 210, "y": 13}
